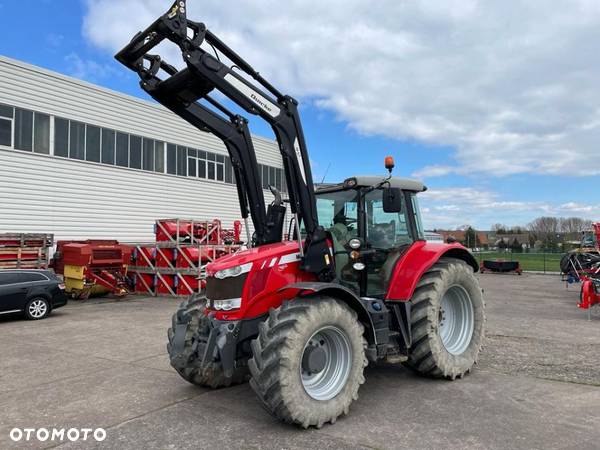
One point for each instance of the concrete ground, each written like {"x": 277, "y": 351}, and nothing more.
{"x": 104, "y": 364}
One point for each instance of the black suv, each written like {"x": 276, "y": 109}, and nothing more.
{"x": 34, "y": 293}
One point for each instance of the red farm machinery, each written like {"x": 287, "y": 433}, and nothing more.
{"x": 589, "y": 298}
{"x": 589, "y": 274}
{"x": 583, "y": 262}
{"x": 355, "y": 283}
{"x": 93, "y": 267}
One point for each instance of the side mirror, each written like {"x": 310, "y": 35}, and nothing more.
{"x": 392, "y": 200}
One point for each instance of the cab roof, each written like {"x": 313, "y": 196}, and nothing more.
{"x": 405, "y": 184}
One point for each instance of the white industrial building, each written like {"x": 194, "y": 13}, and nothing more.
{"x": 84, "y": 162}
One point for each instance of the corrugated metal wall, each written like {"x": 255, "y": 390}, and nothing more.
{"x": 75, "y": 199}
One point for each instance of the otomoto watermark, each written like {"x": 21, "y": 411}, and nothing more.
{"x": 57, "y": 434}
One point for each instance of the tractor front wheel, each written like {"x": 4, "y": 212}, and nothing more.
{"x": 192, "y": 313}
{"x": 447, "y": 321}
{"x": 308, "y": 361}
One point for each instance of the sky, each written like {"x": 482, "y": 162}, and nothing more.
{"x": 494, "y": 104}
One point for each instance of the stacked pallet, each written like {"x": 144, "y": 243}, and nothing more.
{"x": 174, "y": 264}
{"x": 25, "y": 250}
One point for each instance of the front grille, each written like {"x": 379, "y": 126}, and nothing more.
{"x": 225, "y": 289}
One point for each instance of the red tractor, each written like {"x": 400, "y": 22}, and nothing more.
{"x": 355, "y": 284}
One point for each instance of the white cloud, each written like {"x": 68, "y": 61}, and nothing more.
{"x": 434, "y": 171}
{"x": 453, "y": 207}
{"x": 88, "y": 69}
{"x": 579, "y": 208}
{"x": 513, "y": 86}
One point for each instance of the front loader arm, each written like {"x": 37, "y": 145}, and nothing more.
{"x": 262, "y": 99}
{"x": 179, "y": 93}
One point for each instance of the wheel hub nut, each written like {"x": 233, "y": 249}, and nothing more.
{"x": 314, "y": 359}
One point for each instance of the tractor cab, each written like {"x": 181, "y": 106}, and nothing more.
{"x": 371, "y": 221}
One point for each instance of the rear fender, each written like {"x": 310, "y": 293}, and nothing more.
{"x": 417, "y": 260}
{"x": 308, "y": 289}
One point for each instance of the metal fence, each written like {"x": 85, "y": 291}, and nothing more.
{"x": 544, "y": 262}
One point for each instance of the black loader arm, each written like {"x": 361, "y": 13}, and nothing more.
{"x": 257, "y": 97}
{"x": 179, "y": 92}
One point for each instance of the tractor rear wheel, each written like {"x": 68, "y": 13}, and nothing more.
{"x": 447, "y": 321}
{"x": 192, "y": 313}
{"x": 308, "y": 361}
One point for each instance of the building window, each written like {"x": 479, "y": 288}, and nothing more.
{"x": 201, "y": 164}
{"x": 159, "y": 157}
{"x": 148, "y": 160}
{"x": 41, "y": 133}
{"x": 61, "y": 137}
{"x": 108, "y": 146}
{"x": 278, "y": 179}
{"x": 210, "y": 166}
{"x": 6, "y": 120}
{"x": 23, "y": 130}
{"x": 122, "y": 150}
{"x": 181, "y": 161}
{"x": 6, "y": 111}
{"x": 135, "y": 152}
{"x": 171, "y": 159}
{"x": 92, "y": 143}
{"x": 192, "y": 161}
{"x": 30, "y": 131}
{"x": 77, "y": 141}
{"x": 220, "y": 168}
{"x": 228, "y": 171}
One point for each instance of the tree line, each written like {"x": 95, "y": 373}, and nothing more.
{"x": 547, "y": 225}
{"x": 545, "y": 233}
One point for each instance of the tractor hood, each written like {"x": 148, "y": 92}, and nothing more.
{"x": 265, "y": 252}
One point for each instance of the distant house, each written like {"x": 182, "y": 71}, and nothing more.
{"x": 460, "y": 236}
{"x": 522, "y": 238}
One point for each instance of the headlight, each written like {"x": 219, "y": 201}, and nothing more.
{"x": 227, "y": 305}
{"x": 233, "y": 271}
{"x": 354, "y": 244}
{"x": 359, "y": 266}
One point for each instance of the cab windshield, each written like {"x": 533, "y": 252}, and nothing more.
{"x": 385, "y": 230}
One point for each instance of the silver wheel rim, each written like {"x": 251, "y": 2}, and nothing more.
{"x": 38, "y": 309}
{"x": 327, "y": 383}
{"x": 457, "y": 320}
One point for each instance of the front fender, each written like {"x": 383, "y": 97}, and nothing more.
{"x": 417, "y": 260}
{"x": 336, "y": 291}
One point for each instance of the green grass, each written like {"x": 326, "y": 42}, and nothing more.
{"x": 540, "y": 262}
